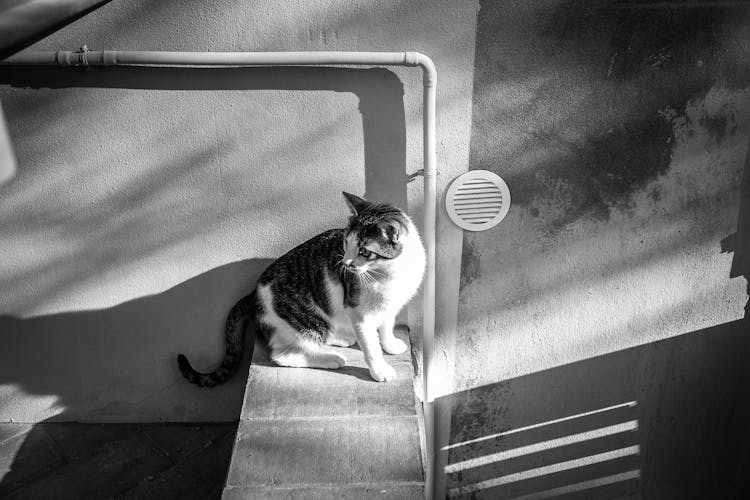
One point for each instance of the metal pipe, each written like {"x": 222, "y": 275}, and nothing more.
{"x": 86, "y": 57}
{"x": 429, "y": 107}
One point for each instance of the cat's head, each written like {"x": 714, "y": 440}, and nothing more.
{"x": 375, "y": 235}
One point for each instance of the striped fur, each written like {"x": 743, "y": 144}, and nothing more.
{"x": 341, "y": 285}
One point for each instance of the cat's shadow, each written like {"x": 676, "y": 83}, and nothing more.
{"x": 83, "y": 365}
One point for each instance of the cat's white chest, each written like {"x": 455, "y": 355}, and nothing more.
{"x": 393, "y": 294}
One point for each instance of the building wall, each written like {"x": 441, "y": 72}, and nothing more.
{"x": 609, "y": 304}
{"x": 614, "y": 293}
{"x": 148, "y": 200}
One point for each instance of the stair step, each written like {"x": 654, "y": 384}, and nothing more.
{"x": 326, "y": 451}
{"x": 384, "y": 492}
{"x": 306, "y": 433}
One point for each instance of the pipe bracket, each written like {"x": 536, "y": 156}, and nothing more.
{"x": 82, "y": 56}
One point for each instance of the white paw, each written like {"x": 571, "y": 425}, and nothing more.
{"x": 335, "y": 361}
{"x": 382, "y": 372}
{"x": 394, "y": 346}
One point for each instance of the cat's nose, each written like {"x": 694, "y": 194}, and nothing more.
{"x": 349, "y": 262}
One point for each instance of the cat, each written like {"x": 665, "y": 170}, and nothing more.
{"x": 340, "y": 287}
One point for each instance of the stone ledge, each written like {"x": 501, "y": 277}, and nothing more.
{"x": 307, "y": 433}
{"x": 307, "y": 492}
{"x": 340, "y": 451}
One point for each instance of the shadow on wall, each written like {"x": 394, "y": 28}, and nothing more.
{"x": 665, "y": 420}
{"x": 98, "y": 364}
{"x": 120, "y": 217}
{"x": 591, "y": 97}
{"x": 91, "y": 362}
{"x": 379, "y": 90}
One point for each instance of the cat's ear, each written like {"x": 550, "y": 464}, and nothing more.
{"x": 356, "y": 204}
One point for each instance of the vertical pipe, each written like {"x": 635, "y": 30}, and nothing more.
{"x": 430, "y": 215}
{"x": 430, "y": 207}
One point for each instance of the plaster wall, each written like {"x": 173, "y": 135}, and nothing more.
{"x": 623, "y": 134}
{"x": 619, "y": 276}
{"x": 147, "y": 201}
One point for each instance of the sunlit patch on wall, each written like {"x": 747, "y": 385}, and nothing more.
{"x": 594, "y": 454}
{"x": 16, "y": 396}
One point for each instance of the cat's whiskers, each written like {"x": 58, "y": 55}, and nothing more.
{"x": 380, "y": 274}
{"x": 369, "y": 277}
{"x": 365, "y": 278}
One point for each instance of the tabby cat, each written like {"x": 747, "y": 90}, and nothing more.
{"x": 340, "y": 287}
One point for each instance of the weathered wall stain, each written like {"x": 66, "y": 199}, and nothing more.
{"x": 716, "y": 126}
{"x": 599, "y": 173}
{"x": 597, "y": 152}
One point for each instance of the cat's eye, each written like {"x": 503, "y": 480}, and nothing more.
{"x": 366, "y": 253}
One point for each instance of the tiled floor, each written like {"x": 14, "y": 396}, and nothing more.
{"x": 128, "y": 461}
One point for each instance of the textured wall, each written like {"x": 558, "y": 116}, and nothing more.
{"x": 147, "y": 201}
{"x": 614, "y": 285}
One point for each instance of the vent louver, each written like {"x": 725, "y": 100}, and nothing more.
{"x": 477, "y": 200}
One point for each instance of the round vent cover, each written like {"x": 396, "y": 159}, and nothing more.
{"x": 477, "y": 200}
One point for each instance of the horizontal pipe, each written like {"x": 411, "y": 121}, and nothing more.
{"x": 85, "y": 57}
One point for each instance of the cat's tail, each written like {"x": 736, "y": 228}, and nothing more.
{"x": 237, "y": 321}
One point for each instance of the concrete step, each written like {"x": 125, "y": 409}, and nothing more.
{"x": 326, "y": 451}
{"x": 307, "y": 433}
{"x": 372, "y": 492}
{"x": 276, "y": 392}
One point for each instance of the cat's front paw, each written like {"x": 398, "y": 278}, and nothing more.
{"x": 382, "y": 372}
{"x": 334, "y": 361}
{"x": 394, "y": 346}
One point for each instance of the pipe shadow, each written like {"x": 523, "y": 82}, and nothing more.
{"x": 380, "y": 93}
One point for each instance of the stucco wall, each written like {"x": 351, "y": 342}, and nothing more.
{"x": 613, "y": 293}
{"x": 147, "y": 201}
{"x": 622, "y": 134}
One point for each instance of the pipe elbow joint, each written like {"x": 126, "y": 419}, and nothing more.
{"x": 429, "y": 71}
